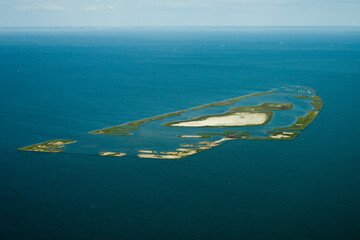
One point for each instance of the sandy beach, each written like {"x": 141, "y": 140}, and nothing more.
{"x": 235, "y": 119}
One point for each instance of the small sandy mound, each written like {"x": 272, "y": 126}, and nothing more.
{"x": 147, "y": 151}
{"x": 279, "y": 136}
{"x": 190, "y": 136}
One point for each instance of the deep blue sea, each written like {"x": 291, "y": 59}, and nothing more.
{"x": 58, "y": 83}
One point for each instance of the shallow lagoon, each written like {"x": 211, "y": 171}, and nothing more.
{"x": 154, "y": 136}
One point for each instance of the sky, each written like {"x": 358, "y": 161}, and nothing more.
{"x": 128, "y": 13}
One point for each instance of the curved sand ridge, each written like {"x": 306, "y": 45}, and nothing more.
{"x": 235, "y": 119}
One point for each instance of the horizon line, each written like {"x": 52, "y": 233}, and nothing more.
{"x": 196, "y": 26}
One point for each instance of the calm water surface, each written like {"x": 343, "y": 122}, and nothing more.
{"x": 64, "y": 82}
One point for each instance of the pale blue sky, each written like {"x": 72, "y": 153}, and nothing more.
{"x": 122, "y": 13}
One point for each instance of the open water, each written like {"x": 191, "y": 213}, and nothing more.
{"x": 56, "y": 83}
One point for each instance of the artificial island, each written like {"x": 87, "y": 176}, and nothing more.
{"x": 277, "y": 114}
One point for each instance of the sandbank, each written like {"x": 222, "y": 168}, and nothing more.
{"x": 235, "y": 119}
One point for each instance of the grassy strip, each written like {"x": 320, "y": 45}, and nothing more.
{"x": 230, "y": 101}
{"x": 318, "y": 105}
{"x": 269, "y": 116}
{"x": 125, "y": 129}
{"x": 217, "y": 104}
{"x": 275, "y": 136}
{"x": 116, "y": 133}
{"x": 212, "y": 134}
{"x": 302, "y": 122}
{"x": 250, "y": 95}
{"x": 188, "y": 136}
{"x": 224, "y": 134}
{"x": 238, "y": 135}
{"x": 237, "y": 132}
{"x": 266, "y": 107}
{"x": 189, "y": 145}
{"x": 117, "y": 130}
{"x": 141, "y": 122}
{"x": 51, "y": 146}
{"x": 314, "y": 98}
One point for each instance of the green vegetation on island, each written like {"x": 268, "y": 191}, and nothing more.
{"x": 265, "y": 107}
{"x": 260, "y": 114}
{"x": 143, "y": 121}
{"x": 302, "y": 122}
{"x": 274, "y": 136}
{"x": 125, "y": 129}
{"x": 318, "y": 105}
{"x": 117, "y": 130}
{"x": 189, "y": 145}
{"x": 233, "y": 134}
{"x": 250, "y": 95}
{"x": 217, "y": 104}
{"x": 230, "y": 101}
{"x": 314, "y": 98}
{"x": 51, "y": 146}
{"x": 211, "y": 134}
{"x": 237, "y": 132}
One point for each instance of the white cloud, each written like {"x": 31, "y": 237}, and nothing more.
{"x": 51, "y": 7}
{"x": 25, "y": 8}
{"x": 48, "y": 7}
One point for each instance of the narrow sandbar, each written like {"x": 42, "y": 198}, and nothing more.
{"x": 112, "y": 154}
{"x": 147, "y": 151}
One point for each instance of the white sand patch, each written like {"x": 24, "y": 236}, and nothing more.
{"x": 114, "y": 154}
{"x": 106, "y": 153}
{"x": 235, "y": 119}
{"x": 182, "y": 149}
{"x": 147, "y": 151}
{"x": 159, "y": 156}
{"x": 224, "y": 139}
{"x": 170, "y": 157}
{"x": 147, "y": 156}
{"x": 190, "y": 136}
{"x": 279, "y": 136}
{"x": 170, "y": 153}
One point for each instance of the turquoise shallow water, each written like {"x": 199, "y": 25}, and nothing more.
{"x": 64, "y": 82}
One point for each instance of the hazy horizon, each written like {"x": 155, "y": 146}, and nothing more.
{"x": 174, "y": 13}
